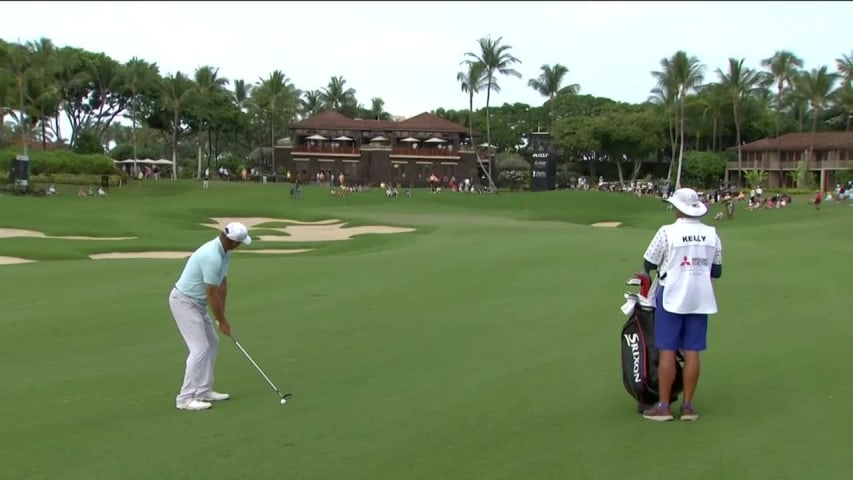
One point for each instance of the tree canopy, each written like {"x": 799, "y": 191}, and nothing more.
{"x": 691, "y": 106}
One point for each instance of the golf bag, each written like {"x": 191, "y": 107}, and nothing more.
{"x": 639, "y": 354}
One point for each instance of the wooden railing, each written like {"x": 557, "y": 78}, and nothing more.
{"x": 424, "y": 152}
{"x": 327, "y": 149}
{"x": 790, "y": 164}
{"x": 353, "y": 150}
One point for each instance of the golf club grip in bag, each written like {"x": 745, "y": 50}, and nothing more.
{"x": 640, "y": 356}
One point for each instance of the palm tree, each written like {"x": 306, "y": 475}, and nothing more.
{"x": 844, "y": 100}
{"x": 311, "y": 103}
{"x": 18, "y": 64}
{"x": 210, "y": 88}
{"x": 277, "y": 97}
{"x": 472, "y": 81}
{"x": 177, "y": 91}
{"x": 549, "y": 84}
{"x": 336, "y": 96}
{"x": 240, "y": 95}
{"x": 740, "y": 82}
{"x": 496, "y": 58}
{"x": 713, "y": 98}
{"x": 6, "y": 97}
{"x": 42, "y": 90}
{"x": 795, "y": 105}
{"x": 377, "y": 109}
{"x": 783, "y": 66}
{"x": 665, "y": 95}
{"x": 139, "y": 76}
{"x": 42, "y": 100}
{"x": 817, "y": 87}
{"x": 685, "y": 73}
{"x": 843, "y": 94}
{"x": 845, "y": 66}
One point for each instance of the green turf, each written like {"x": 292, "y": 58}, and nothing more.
{"x": 483, "y": 346}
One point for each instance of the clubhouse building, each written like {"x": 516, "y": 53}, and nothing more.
{"x": 781, "y": 158}
{"x": 370, "y": 152}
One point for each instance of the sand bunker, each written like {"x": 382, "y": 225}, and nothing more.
{"x": 293, "y": 231}
{"x": 14, "y": 260}
{"x": 18, "y": 233}
{"x": 322, "y": 231}
{"x": 148, "y": 255}
{"x": 176, "y": 255}
{"x": 327, "y": 233}
{"x": 607, "y": 224}
{"x": 251, "y": 222}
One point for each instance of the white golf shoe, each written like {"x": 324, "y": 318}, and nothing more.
{"x": 214, "y": 397}
{"x": 193, "y": 404}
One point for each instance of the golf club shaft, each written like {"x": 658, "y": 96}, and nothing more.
{"x": 256, "y": 365}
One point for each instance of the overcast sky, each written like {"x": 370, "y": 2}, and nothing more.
{"x": 408, "y": 53}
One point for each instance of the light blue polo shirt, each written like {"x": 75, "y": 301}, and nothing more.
{"x": 207, "y": 265}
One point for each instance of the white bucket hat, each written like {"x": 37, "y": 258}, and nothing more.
{"x": 238, "y": 232}
{"x": 686, "y": 200}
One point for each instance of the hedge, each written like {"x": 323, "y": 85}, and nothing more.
{"x": 53, "y": 162}
{"x": 789, "y": 191}
{"x": 67, "y": 179}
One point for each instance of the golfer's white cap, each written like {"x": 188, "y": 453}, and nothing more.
{"x": 238, "y": 232}
{"x": 686, "y": 200}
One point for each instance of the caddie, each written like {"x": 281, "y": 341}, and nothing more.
{"x": 687, "y": 254}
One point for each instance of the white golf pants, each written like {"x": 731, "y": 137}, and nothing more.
{"x": 203, "y": 344}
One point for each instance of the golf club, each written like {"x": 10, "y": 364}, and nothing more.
{"x": 285, "y": 396}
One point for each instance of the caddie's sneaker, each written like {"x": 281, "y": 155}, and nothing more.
{"x": 214, "y": 397}
{"x": 688, "y": 413}
{"x": 658, "y": 413}
{"x": 193, "y": 404}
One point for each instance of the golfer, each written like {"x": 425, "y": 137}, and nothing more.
{"x": 203, "y": 284}
{"x": 687, "y": 254}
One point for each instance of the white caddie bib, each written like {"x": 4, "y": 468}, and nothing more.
{"x": 687, "y": 285}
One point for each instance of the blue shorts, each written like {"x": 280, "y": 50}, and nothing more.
{"x": 674, "y": 331}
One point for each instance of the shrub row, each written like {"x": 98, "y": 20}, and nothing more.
{"x": 67, "y": 179}
{"x": 60, "y": 161}
{"x": 789, "y": 191}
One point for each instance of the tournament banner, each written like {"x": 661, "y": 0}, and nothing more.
{"x": 20, "y": 172}
{"x": 543, "y": 168}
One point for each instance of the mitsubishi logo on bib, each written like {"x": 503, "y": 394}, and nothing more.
{"x": 694, "y": 265}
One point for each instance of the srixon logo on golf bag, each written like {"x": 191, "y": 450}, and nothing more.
{"x": 639, "y": 354}
{"x": 633, "y": 342}
{"x": 634, "y": 359}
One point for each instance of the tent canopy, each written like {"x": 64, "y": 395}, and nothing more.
{"x": 146, "y": 161}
